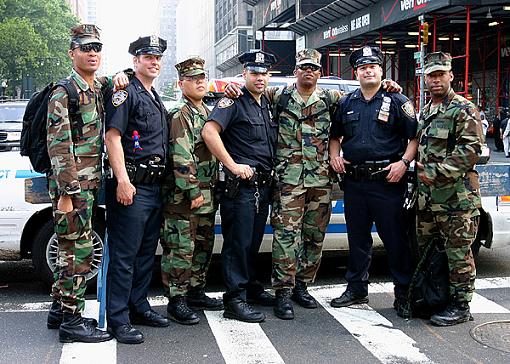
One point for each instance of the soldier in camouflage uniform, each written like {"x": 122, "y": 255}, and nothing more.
{"x": 302, "y": 203}
{"x": 189, "y": 208}
{"x": 450, "y": 140}
{"x": 73, "y": 184}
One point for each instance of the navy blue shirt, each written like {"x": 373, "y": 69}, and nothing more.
{"x": 372, "y": 134}
{"x": 134, "y": 109}
{"x": 247, "y": 130}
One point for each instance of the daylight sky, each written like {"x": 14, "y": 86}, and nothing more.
{"x": 123, "y": 21}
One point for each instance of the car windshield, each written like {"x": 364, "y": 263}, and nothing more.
{"x": 11, "y": 114}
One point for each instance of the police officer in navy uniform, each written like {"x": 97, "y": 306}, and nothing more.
{"x": 242, "y": 135}
{"x": 375, "y": 131}
{"x": 137, "y": 143}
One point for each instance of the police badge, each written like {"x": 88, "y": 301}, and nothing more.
{"x": 409, "y": 109}
{"x": 119, "y": 97}
{"x": 225, "y": 102}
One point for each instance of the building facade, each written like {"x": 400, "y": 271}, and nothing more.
{"x": 233, "y": 34}
{"x": 196, "y": 41}
{"x": 167, "y": 30}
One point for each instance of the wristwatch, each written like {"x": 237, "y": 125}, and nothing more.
{"x": 407, "y": 162}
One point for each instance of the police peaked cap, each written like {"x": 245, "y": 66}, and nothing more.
{"x": 257, "y": 61}
{"x": 366, "y": 55}
{"x": 148, "y": 45}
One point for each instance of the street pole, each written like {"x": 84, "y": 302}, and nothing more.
{"x": 422, "y": 61}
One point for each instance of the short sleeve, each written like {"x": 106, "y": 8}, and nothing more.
{"x": 223, "y": 113}
{"x": 117, "y": 110}
{"x": 336, "y": 123}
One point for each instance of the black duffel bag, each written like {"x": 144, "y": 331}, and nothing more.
{"x": 430, "y": 287}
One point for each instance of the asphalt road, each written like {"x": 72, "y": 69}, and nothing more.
{"x": 369, "y": 333}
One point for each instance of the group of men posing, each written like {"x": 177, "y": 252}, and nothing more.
{"x": 259, "y": 147}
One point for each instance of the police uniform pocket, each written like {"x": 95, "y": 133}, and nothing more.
{"x": 256, "y": 130}
{"x": 351, "y": 123}
{"x": 383, "y": 125}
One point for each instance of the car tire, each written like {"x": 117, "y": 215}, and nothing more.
{"x": 44, "y": 253}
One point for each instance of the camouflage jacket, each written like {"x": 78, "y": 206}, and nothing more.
{"x": 450, "y": 141}
{"x": 303, "y": 137}
{"x": 76, "y": 161}
{"x": 193, "y": 165}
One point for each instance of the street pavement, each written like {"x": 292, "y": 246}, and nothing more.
{"x": 370, "y": 333}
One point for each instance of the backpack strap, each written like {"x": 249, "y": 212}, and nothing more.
{"x": 74, "y": 105}
{"x": 282, "y": 103}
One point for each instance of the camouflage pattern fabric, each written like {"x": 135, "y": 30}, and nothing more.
{"x": 302, "y": 152}
{"x": 188, "y": 236}
{"x": 75, "y": 161}
{"x": 308, "y": 56}
{"x": 450, "y": 140}
{"x": 76, "y": 171}
{"x": 300, "y": 216}
{"x": 187, "y": 243}
{"x": 75, "y": 251}
{"x": 194, "y": 167}
{"x": 191, "y": 67}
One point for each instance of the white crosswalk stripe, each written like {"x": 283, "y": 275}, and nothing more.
{"x": 249, "y": 343}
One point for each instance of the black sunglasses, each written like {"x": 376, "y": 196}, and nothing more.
{"x": 96, "y": 47}
{"x": 304, "y": 67}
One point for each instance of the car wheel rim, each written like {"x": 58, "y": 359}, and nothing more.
{"x": 97, "y": 247}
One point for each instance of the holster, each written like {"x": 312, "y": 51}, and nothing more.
{"x": 232, "y": 182}
{"x": 149, "y": 172}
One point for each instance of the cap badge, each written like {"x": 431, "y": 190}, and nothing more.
{"x": 88, "y": 28}
{"x": 367, "y": 52}
{"x": 259, "y": 58}
{"x": 154, "y": 41}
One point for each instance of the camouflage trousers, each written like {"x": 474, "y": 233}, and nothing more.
{"x": 300, "y": 217}
{"x": 458, "y": 231}
{"x": 75, "y": 250}
{"x": 187, "y": 242}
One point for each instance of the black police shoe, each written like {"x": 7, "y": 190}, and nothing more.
{"x": 73, "y": 329}
{"x": 179, "y": 311}
{"x": 56, "y": 315}
{"x": 455, "y": 313}
{"x": 403, "y": 307}
{"x": 198, "y": 300}
{"x": 301, "y": 296}
{"x": 264, "y": 299}
{"x": 348, "y": 298}
{"x": 240, "y": 310}
{"x": 127, "y": 334}
{"x": 149, "y": 318}
{"x": 283, "y": 308}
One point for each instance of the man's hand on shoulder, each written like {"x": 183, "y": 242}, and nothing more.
{"x": 233, "y": 91}
{"x": 391, "y": 86}
{"x": 120, "y": 81}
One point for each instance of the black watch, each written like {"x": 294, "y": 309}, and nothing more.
{"x": 407, "y": 162}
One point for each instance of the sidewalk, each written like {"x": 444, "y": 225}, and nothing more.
{"x": 496, "y": 157}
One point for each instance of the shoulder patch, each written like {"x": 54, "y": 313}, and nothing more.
{"x": 409, "y": 109}
{"x": 225, "y": 102}
{"x": 119, "y": 97}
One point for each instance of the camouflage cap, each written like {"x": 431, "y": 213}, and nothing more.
{"x": 437, "y": 61}
{"x": 191, "y": 67}
{"x": 84, "y": 34}
{"x": 366, "y": 55}
{"x": 308, "y": 56}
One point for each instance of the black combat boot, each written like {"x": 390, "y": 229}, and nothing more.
{"x": 301, "y": 296}
{"x": 238, "y": 309}
{"x": 73, "y": 329}
{"x": 198, "y": 300}
{"x": 456, "y": 313}
{"x": 179, "y": 311}
{"x": 56, "y": 315}
{"x": 283, "y": 308}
